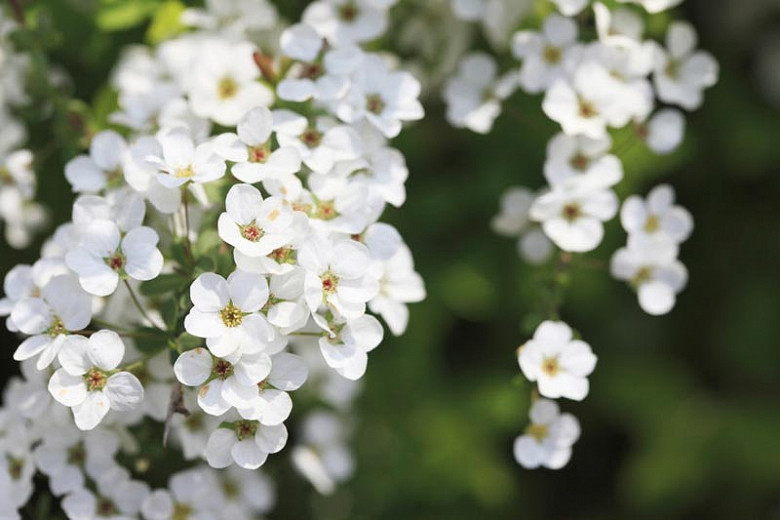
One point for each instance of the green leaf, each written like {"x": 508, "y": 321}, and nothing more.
{"x": 151, "y": 341}
{"x": 188, "y": 342}
{"x": 119, "y": 15}
{"x": 166, "y": 22}
{"x": 163, "y": 284}
{"x": 170, "y": 313}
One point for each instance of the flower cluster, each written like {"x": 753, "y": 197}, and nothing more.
{"x": 620, "y": 88}
{"x": 20, "y": 214}
{"x": 224, "y": 244}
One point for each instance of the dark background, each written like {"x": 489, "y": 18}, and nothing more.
{"x": 682, "y": 421}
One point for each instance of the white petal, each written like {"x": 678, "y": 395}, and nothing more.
{"x": 105, "y": 349}
{"x": 209, "y": 293}
{"x": 89, "y": 413}
{"x": 193, "y": 367}
{"x": 67, "y": 389}
{"x": 125, "y": 391}
{"x": 218, "y": 448}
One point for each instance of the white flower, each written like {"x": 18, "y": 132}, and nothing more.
{"x": 570, "y": 7}
{"x": 117, "y": 497}
{"x": 251, "y": 149}
{"x": 559, "y": 364}
{"x": 514, "y": 220}
{"x": 102, "y": 168}
{"x": 587, "y": 104}
{"x": 347, "y": 346}
{"x": 545, "y": 55}
{"x": 105, "y": 256}
{"x": 320, "y": 144}
{"x": 468, "y": 10}
{"x": 68, "y": 455}
{"x": 24, "y": 281}
{"x": 572, "y": 215}
{"x": 580, "y": 159}
{"x": 225, "y": 383}
{"x": 474, "y": 94}
{"x": 652, "y": 269}
{"x": 63, "y": 307}
{"x": 654, "y": 6}
{"x": 548, "y": 439}
{"x": 319, "y": 72}
{"x": 271, "y": 404}
{"x": 226, "y": 313}
{"x": 621, "y": 27}
{"x": 141, "y": 176}
{"x": 382, "y": 96}
{"x": 233, "y": 16}
{"x": 182, "y": 162}
{"x": 399, "y": 284}
{"x": 657, "y": 218}
{"x": 324, "y": 457}
{"x": 664, "y": 131}
{"x": 246, "y": 493}
{"x": 337, "y": 275}
{"x": 189, "y": 495}
{"x": 254, "y": 226}
{"x": 245, "y": 443}
{"x": 88, "y": 381}
{"x": 681, "y": 72}
{"x": 346, "y": 22}
{"x": 224, "y": 85}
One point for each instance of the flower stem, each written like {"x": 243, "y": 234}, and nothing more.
{"x": 138, "y": 305}
{"x": 187, "y": 243}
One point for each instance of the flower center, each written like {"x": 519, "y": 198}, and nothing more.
{"x": 222, "y": 369}
{"x": 231, "y": 488}
{"x": 96, "y": 379}
{"x": 15, "y": 467}
{"x": 283, "y": 255}
{"x": 116, "y": 262}
{"x": 550, "y": 366}
{"x": 258, "y": 154}
{"x": 672, "y": 69}
{"x": 644, "y": 274}
{"x": 652, "y": 224}
{"x": 57, "y": 327}
{"x": 587, "y": 109}
{"x": 106, "y": 507}
{"x": 194, "y": 422}
{"x": 552, "y": 54}
{"x": 579, "y": 162}
{"x": 76, "y": 455}
{"x": 571, "y": 212}
{"x": 326, "y": 210}
{"x": 181, "y": 511}
{"x": 538, "y": 431}
{"x": 227, "y": 88}
{"x": 312, "y": 71}
{"x": 311, "y": 137}
{"x": 375, "y": 104}
{"x": 231, "y": 315}
{"x": 330, "y": 282}
{"x": 6, "y": 178}
{"x": 184, "y": 173}
{"x": 252, "y": 232}
{"x": 245, "y": 429}
{"x": 348, "y": 12}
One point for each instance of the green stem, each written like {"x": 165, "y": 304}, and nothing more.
{"x": 139, "y": 306}
{"x": 187, "y": 243}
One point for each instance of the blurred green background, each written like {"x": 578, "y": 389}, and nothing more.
{"x": 682, "y": 421}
